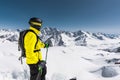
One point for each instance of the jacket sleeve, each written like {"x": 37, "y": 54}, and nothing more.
{"x": 41, "y": 45}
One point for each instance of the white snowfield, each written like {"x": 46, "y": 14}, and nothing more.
{"x": 64, "y": 63}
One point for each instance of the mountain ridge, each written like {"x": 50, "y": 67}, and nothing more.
{"x": 57, "y": 37}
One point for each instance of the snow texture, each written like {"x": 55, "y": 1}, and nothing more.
{"x": 76, "y": 55}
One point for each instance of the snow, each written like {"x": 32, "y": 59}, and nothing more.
{"x": 67, "y": 40}
{"x": 65, "y": 62}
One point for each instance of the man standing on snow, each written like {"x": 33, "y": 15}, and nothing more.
{"x": 32, "y": 46}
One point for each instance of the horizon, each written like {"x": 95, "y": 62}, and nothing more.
{"x": 59, "y": 30}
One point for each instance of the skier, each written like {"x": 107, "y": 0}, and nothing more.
{"x": 32, "y": 50}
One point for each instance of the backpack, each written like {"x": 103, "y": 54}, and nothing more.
{"x": 21, "y": 42}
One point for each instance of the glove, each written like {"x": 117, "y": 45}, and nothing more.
{"x": 46, "y": 45}
{"x": 42, "y": 64}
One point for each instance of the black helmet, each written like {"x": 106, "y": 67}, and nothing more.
{"x": 36, "y": 23}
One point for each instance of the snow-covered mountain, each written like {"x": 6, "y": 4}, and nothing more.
{"x": 57, "y": 37}
{"x": 8, "y": 35}
{"x": 76, "y": 55}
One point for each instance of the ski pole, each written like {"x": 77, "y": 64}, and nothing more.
{"x": 46, "y": 54}
{"x": 40, "y": 69}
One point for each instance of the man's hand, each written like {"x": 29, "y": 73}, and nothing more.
{"x": 46, "y": 45}
{"x": 42, "y": 64}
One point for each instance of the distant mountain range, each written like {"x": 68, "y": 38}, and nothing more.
{"x": 57, "y": 37}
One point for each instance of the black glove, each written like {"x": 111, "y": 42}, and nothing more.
{"x": 42, "y": 64}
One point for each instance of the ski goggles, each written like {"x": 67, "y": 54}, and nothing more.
{"x": 36, "y": 23}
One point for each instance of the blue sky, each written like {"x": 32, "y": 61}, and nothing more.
{"x": 70, "y": 15}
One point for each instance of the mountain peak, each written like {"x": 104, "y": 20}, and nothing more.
{"x": 58, "y": 38}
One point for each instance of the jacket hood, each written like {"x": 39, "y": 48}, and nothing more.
{"x": 35, "y": 30}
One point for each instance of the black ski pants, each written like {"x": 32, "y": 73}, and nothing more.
{"x": 34, "y": 72}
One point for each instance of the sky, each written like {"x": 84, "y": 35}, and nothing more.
{"x": 69, "y": 15}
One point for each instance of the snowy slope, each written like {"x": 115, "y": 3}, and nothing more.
{"x": 63, "y": 63}
{"x": 89, "y": 62}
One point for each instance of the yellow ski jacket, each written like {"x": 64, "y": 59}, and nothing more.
{"x": 30, "y": 40}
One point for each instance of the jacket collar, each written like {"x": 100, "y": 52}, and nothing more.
{"x": 35, "y": 30}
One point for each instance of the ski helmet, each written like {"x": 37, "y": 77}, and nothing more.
{"x": 36, "y": 23}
